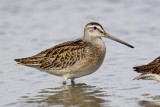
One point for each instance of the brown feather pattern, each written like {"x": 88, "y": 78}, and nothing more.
{"x": 57, "y": 57}
{"x": 152, "y": 67}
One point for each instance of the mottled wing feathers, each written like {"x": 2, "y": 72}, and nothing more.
{"x": 153, "y": 67}
{"x": 146, "y": 69}
{"x": 57, "y": 57}
{"x": 156, "y": 61}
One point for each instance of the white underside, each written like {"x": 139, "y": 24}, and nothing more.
{"x": 148, "y": 76}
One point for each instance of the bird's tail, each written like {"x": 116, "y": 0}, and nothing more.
{"x": 145, "y": 68}
{"x": 30, "y": 61}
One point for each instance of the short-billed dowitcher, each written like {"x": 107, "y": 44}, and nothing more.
{"x": 76, "y": 58}
{"x": 150, "y": 71}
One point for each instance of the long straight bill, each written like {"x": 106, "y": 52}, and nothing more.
{"x": 117, "y": 40}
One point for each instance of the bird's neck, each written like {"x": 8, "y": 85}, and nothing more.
{"x": 96, "y": 41}
{"x": 92, "y": 39}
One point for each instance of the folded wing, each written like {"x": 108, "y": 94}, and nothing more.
{"x": 57, "y": 57}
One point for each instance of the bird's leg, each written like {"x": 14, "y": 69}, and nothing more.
{"x": 64, "y": 81}
{"x": 72, "y": 81}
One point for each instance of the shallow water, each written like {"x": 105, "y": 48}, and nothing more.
{"x": 30, "y": 26}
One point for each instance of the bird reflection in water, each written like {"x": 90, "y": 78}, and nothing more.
{"x": 150, "y": 101}
{"x": 80, "y": 95}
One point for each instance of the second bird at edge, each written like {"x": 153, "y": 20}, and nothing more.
{"x": 149, "y": 71}
{"x": 73, "y": 59}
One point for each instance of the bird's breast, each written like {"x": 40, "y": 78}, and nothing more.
{"x": 95, "y": 55}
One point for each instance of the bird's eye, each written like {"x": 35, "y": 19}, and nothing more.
{"x": 95, "y": 28}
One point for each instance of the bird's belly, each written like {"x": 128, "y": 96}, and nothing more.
{"x": 85, "y": 66}
{"x": 81, "y": 68}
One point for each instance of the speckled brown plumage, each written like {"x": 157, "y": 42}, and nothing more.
{"x": 150, "y": 71}
{"x": 153, "y": 67}
{"x": 57, "y": 57}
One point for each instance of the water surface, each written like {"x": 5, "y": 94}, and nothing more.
{"x": 30, "y": 26}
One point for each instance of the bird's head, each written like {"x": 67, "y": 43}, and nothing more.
{"x": 95, "y": 30}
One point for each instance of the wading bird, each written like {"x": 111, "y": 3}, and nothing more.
{"x": 73, "y": 59}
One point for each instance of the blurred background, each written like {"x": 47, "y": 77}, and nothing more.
{"x": 30, "y": 26}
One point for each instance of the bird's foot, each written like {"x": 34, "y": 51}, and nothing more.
{"x": 64, "y": 83}
{"x": 72, "y": 82}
